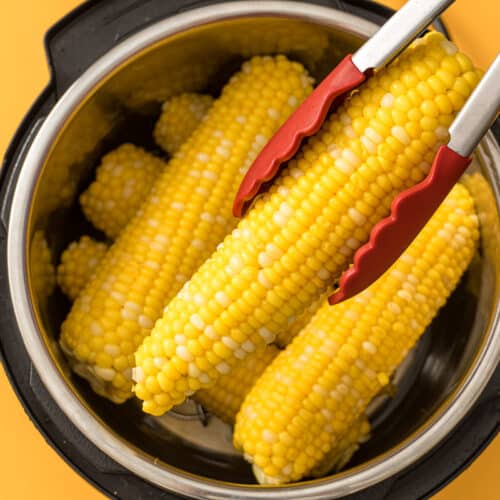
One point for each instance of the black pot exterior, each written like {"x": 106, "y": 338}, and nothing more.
{"x": 73, "y": 45}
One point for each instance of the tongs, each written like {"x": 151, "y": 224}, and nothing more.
{"x": 412, "y": 208}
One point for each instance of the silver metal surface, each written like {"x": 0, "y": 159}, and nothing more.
{"x": 478, "y": 114}
{"x": 398, "y": 32}
{"x": 456, "y": 383}
{"x": 214, "y": 435}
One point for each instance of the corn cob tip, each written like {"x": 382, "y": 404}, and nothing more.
{"x": 43, "y": 273}
{"x": 78, "y": 263}
{"x": 340, "y": 456}
{"x": 179, "y": 118}
{"x": 123, "y": 180}
{"x": 334, "y": 461}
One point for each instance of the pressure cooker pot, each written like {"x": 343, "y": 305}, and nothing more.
{"x": 113, "y": 63}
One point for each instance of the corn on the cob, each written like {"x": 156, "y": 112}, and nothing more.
{"x": 124, "y": 179}
{"x": 180, "y": 116}
{"x": 313, "y": 392}
{"x": 225, "y": 397}
{"x": 42, "y": 271}
{"x": 304, "y": 41}
{"x": 185, "y": 216}
{"x": 303, "y": 233}
{"x": 78, "y": 263}
{"x": 486, "y": 209}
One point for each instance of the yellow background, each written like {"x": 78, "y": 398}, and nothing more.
{"x": 29, "y": 468}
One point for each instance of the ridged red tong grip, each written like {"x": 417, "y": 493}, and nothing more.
{"x": 304, "y": 122}
{"x": 410, "y": 211}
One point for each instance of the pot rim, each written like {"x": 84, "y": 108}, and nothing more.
{"x": 142, "y": 464}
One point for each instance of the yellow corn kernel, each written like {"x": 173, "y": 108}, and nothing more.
{"x": 185, "y": 216}
{"x": 42, "y": 272}
{"x": 343, "y": 449}
{"x": 372, "y": 332}
{"x": 78, "y": 263}
{"x": 295, "y": 325}
{"x": 484, "y": 199}
{"x": 123, "y": 180}
{"x": 179, "y": 118}
{"x": 225, "y": 397}
{"x": 316, "y": 214}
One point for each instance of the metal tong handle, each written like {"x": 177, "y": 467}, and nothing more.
{"x": 478, "y": 113}
{"x": 412, "y": 209}
{"x": 385, "y": 45}
{"x": 398, "y": 32}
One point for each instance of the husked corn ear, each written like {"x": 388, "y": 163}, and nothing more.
{"x": 313, "y": 392}
{"x": 123, "y": 181}
{"x": 486, "y": 209}
{"x": 78, "y": 263}
{"x": 293, "y": 37}
{"x": 186, "y": 215}
{"x": 225, "y": 397}
{"x": 42, "y": 271}
{"x": 300, "y": 236}
{"x": 180, "y": 116}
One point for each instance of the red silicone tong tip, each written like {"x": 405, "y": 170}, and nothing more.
{"x": 304, "y": 122}
{"x": 410, "y": 211}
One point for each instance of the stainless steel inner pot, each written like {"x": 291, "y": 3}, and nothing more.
{"x": 117, "y": 99}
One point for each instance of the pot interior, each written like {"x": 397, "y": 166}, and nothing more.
{"x": 123, "y": 107}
